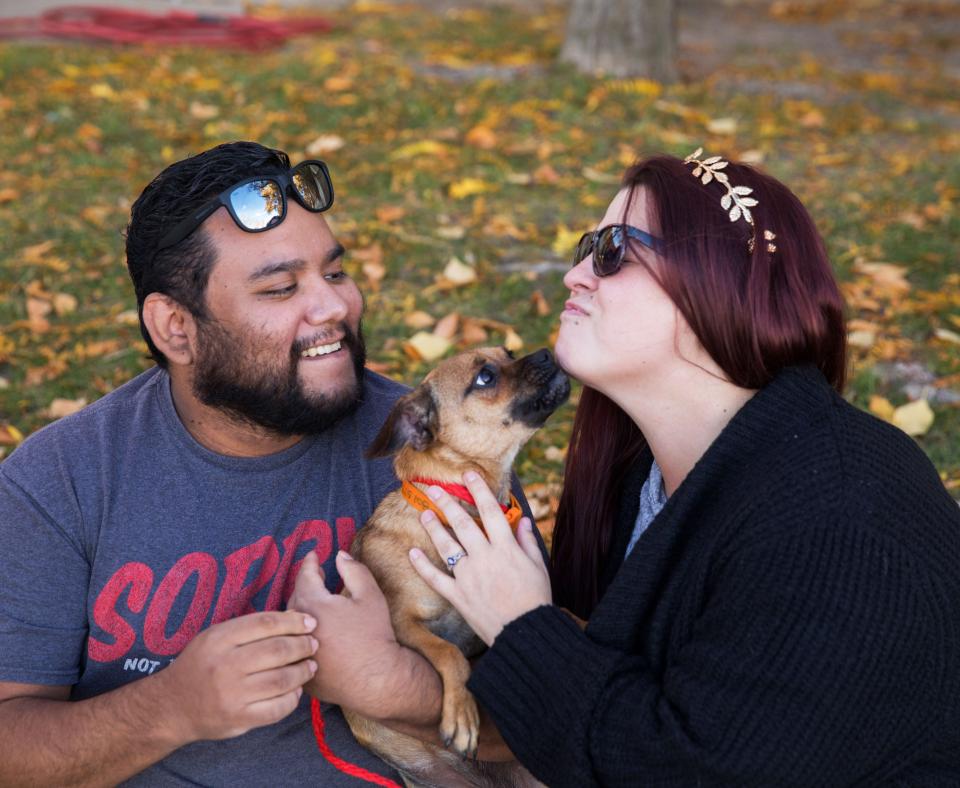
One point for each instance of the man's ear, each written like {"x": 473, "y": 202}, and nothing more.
{"x": 412, "y": 422}
{"x": 171, "y": 326}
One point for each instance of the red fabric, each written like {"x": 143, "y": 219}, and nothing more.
{"x": 456, "y": 490}
{"x": 344, "y": 766}
{"x": 177, "y": 27}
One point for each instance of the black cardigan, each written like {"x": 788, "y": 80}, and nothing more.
{"x": 791, "y": 617}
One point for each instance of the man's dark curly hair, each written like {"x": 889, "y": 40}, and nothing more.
{"x": 182, "y": 271}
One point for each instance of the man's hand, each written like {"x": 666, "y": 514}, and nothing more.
{"x": 361, "y": 664}
{"x": 240, "y": 674}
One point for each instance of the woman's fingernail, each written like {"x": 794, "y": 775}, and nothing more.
{"x": 427, "y": 516}
{"x": 313, "y": 666}
{"x": 525, "y": 524}
{"x": 434, "y": 492}
{"x": 309, "y": 623}
{"x": 314, "y": 644}
{"x": 471, "y": 476}
{"x": 344, "y": 555}
{"x": 415, "y": 554}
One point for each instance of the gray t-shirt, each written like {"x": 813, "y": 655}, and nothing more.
{"x": 121, "y": 537}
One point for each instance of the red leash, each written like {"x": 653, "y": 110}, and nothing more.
{"x": 344, "y": 766}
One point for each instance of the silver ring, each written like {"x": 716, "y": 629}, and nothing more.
{"x": 452, "y": 560}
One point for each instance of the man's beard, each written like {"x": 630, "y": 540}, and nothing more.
{"x": 234, "y": 374}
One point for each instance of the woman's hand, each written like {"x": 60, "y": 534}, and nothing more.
{"x": 497, "y": 579}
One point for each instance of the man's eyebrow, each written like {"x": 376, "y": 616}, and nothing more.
{"x": 297, "y": 264}
{"x": 335, "y": 253}
{"x": 280, "y": 267}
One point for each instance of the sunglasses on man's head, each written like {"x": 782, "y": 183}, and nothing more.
{"x": 609, "y": 244}
{"x": 259, "y": 203}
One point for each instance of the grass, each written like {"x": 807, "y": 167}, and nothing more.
{"x": 86, "y": 127}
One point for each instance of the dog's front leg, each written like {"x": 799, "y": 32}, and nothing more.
{"x": 460, "y": 720}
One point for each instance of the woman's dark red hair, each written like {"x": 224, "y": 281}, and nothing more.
{"x": 754, "y": 313}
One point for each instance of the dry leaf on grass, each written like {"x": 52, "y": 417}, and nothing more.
{"x": 539, "y": 303}
{"x": 419, "y": 319}
{"x": 426, "y": 346}
{"x": 459, "y": 273}
{"x": 914, "y": 418}
{"x": 64, "y": 303}
{"x": 881, "y": 407}
{"x": 37, "y": 310}
{"x": 325, "y": 143}
{"x": 64, "y": 407}
{"x": 447, "y": 326}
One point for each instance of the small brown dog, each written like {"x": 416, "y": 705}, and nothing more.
{"x": 474, "y": 411}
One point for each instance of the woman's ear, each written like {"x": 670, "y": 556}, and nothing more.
{"x": 172, "y": 328}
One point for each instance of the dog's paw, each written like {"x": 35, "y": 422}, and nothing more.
{"x": 460, "y": 723}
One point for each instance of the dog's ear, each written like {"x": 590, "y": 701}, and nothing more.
{"x": 412, "y": 422}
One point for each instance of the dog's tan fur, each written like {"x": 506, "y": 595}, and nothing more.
{"x": 446, "y": 426}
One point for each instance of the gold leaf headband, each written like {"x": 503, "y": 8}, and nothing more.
{"x": 735, "y": 201}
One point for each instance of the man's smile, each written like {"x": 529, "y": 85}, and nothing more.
{"x": 320, "y": 350}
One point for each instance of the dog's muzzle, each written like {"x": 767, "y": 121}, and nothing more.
{"x": 547, "y": 388}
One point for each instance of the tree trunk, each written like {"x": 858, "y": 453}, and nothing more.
{"x": 623, "y": 38}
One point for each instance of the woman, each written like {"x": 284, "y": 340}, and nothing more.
{"x": 769, "y": 574}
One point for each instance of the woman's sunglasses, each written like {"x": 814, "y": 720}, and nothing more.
{"x": 259, "y": 203}
{"x": 609, "y": 244}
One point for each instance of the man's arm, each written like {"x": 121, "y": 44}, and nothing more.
{"x": 235, "y": 676}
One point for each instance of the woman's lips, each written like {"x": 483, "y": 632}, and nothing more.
{"x": 571, "y": 308}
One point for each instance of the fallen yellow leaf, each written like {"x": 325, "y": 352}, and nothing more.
{"x": 539, "y": 303}
{"x": 512, "y": 341}
{"x": 481, "y": 137}
{"x": 427, "y": 346}
{"x": 424, "y": 147}
{"x": 419, "y": 319}
{"x": 473, "y": 333}
{"x": 375, "y": 272}
{"x": 37, "y": 310}
{"x": 722, "y": 126}
{"x": 31, "y": 254}
{"x": 338, "y": 84}
{"x": 452, "y": 232}
{"x": 600, "y": 177}
{"x": 64, "y": 303}
{"x": 10, "y": 435}
{"x": 390, "y": 213}
{"x": 947, "y": 335}
{"x": 325, "y": 143}
{"x": 459, "y": 273}
{"x": 862, "y": 339}
{"x": 566, "y": 240}
{"x": 468, "y": 187}
{"x": 102, "y": 90}
{"x": 64, "y": 407}
{"x": 914, "y": 418}
{"x": 447, "y": 326}
{"x": 96, "y": 214}
{"x": 204, "y": 111}
{"x": 881, "y": 407}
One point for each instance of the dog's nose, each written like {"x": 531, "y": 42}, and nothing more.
{"x": 541, "y": 358}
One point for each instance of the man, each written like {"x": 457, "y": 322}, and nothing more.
{"x": 148, "y": 544}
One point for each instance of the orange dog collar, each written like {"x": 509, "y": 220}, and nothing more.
{"x": 419, "y": 500}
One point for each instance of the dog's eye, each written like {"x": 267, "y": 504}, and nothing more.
{"x": 486, "y": 377}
